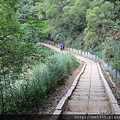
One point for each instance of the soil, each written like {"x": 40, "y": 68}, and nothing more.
{"x": 54, "y": 97}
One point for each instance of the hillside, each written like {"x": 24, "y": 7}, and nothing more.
{"x": 90, "y": 25}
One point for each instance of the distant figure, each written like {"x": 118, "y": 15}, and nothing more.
{"x": 63, "y": 45}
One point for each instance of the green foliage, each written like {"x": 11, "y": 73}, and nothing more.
{"x": 116, "y": 65}
{"x": 27, "y": 94}
{"x": 91, "y": 25}
{"x": 97, "y": 20}
{"x": 68, "y": 15}
{"x": 9, "y": 36}
{"x": 84, "y": 3}
{"x": 108, "y": 6}
{"x": 32, "y": 31}
{"x": 52, "y": 11}
{"x": 96, "y": 3}
{"x": 111, "y": 54}
{"x": 108, "y": 54}
{"x": 16, "y": 44}
{"x": 26, "y": 8}
{"x": 102, "y": 23}
{"x": 99, "y": 54}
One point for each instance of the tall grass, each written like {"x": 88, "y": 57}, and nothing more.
{"x": 25, "y": 96}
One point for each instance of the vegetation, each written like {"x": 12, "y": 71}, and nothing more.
{"x": 18, "y": 52}
{"x": 28, "y": 93}
{"x": 91, "y": 25}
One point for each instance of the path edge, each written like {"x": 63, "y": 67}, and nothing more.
{"x": 60, "y": 106}
{"x": 113, "y": 102}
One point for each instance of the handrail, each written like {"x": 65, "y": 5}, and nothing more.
{"x": 115, "y": 73}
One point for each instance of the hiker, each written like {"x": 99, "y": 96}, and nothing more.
{"x": 61, "y": 46}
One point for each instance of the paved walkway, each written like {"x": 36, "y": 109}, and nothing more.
{"x": 89, "y": 96}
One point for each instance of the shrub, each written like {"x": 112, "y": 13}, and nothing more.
{"x": 116, "y": 65}
{"x": 25, "y": 96}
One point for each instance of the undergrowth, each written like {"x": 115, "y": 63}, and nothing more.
{"x": 25, "y": 96}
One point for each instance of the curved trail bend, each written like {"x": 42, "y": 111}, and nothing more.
{"x": 89, "y": 96}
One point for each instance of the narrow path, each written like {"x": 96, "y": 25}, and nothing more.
{"x": 89, "y": 96}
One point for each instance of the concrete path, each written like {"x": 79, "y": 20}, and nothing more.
{"x": 89, "y": 96}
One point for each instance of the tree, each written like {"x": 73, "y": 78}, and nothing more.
{"x": 9, "y": 30}
{"x": 101, "y": 22}
{"x": 64, "y": 17}
{"x": 13, "y": 49}
{"x": 26, "y": 8}
{"x": 68, "y": 21}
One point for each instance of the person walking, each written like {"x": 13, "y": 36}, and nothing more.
{"x": 61, "y": 46}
